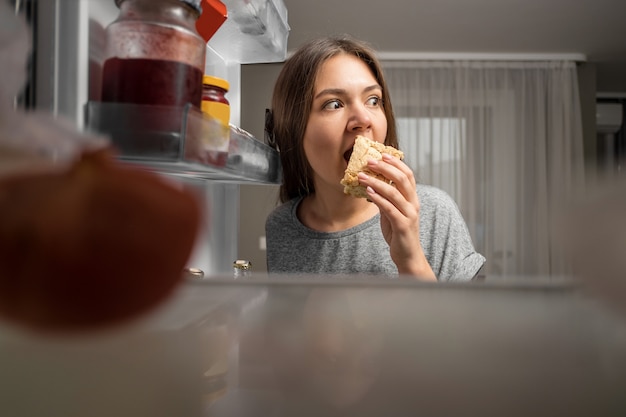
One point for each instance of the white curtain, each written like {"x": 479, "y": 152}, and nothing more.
{"x": 504, "y": 139}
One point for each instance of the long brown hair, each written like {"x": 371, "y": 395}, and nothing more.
{"x": 292, "y": 101}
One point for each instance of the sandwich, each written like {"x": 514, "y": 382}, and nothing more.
{"x": 364, "y": 149}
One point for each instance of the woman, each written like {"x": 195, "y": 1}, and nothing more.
{"x": 328, "y": 92}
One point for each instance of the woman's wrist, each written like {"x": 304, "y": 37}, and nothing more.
{"x": 421, "y": 270}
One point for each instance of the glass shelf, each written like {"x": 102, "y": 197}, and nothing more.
{"x": 183, "y": 141}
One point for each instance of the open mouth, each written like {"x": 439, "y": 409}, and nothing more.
{"x": 347, "y": 154}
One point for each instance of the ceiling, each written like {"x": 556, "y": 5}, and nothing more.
{"x": 595, "y": 28}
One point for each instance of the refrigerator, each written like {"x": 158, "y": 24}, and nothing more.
{"x": 65, "y": 79}
{"x": 295, "y": 345}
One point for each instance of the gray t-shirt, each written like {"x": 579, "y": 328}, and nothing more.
{"x": 296, "y": 249}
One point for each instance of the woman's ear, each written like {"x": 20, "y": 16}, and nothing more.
{"x": 269, "y": 129}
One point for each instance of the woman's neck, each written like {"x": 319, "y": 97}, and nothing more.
{"x": 334, "y": 212}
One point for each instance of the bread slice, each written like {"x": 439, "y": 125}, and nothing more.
{"x": 364, "y": 150}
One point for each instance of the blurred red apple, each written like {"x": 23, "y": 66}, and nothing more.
{"x": 97, "y": 244}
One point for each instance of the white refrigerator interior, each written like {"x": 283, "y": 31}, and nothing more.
{"x": 69, "y": 55}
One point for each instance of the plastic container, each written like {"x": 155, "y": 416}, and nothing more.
{"x": 154, "y": 54}
{"x": 137, "y": 132}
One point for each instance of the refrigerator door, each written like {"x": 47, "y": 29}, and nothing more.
{"x": 69, "y": 50}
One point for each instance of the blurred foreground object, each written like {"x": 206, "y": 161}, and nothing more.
{"x": 596, "y": 237}
{"x": 85, "y": 241}
{"x": 30, "y": 140}
{"x": 91, "y": 245}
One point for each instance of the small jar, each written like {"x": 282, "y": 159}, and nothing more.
{"x": 216, "y": 138}
{"x": 214, "y": 101}
{"x": 242, "y": 268}
{"x": 193, "y": 273}
{"x": 154, "y": 54}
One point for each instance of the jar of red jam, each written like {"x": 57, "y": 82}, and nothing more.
{"x": 154, "y": 54}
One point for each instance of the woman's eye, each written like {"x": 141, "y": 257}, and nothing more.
{"x": 332, "y": 105}
{"x": 374, "y": 101}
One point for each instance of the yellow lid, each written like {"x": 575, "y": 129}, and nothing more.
{"x": 218, "y": 82}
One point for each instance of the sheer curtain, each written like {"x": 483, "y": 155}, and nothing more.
{"x": 504, "y": 139}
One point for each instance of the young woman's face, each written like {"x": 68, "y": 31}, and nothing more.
{"x": 347, "y": 101}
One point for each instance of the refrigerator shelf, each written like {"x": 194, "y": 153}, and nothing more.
{"x": 183, "y": 141}
{"x": 332, "y": 346}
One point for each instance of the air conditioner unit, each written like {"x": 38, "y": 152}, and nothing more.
{"x": 609, "y": 117}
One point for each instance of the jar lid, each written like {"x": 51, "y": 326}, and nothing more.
{"x": 194, "y": 4}
{"x": 242, "y": 264}
{"x": 194, "y": 273}
{"x": 216, "y": 81}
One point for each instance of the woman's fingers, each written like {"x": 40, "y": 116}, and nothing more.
{"x": 388, "y": 198}
{"x": 397, "y": 172}
{"x": 398, "y": 188}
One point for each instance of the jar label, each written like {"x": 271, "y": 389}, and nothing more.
{"x": 220, "y": 111}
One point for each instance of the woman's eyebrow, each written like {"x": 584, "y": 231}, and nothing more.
{"x": 372, "y": 87}
{"x": 340, "y": 91}
{"x": 331, "y": 91}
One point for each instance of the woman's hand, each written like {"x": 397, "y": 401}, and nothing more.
{"x": 399, "y": 215}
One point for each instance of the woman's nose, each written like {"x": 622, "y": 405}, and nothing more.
{"x": 360, "y": 118}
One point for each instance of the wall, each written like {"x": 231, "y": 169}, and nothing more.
{"x": 611, "y": 77}
{"x": 587, "y": 90}
{"x": 255, "y": 201}
{"x": 597, "y": 78}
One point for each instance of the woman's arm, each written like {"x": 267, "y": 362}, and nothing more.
{"x": 400, "y": 215}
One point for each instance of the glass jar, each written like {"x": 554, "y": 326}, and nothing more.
{"x": 214, "y": 101}
{"x": 214, "y": 146}
{"x": 242, "y": 268}
{"x": 154, "y": 54}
